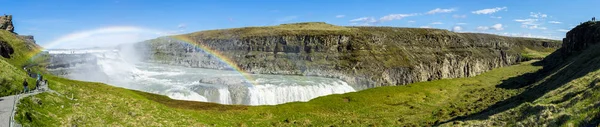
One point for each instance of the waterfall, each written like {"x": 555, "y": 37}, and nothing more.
{"x": 196, "y": 84}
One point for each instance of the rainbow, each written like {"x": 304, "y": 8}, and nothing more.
{"x": 217, "y": 54}
{"x": 83, "y": 37}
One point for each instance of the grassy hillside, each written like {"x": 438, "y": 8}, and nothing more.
{"x": 564, "y": 94}
{"x": 11, "y": 69}
{"x": 95, "y": 104}
{"x": 77, "y": 103}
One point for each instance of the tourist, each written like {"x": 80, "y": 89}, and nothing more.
{"x": 37, "y": 84}
{"x": 25, "y": 90}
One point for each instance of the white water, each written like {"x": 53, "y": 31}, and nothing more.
{"x": 219, "y": 86}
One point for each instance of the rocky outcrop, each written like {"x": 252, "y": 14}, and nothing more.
{"x": 581, "y": 37}
{"x": 6, "y": 23}
{"x": 5, "y": 49}
{"x": 362, "y": 56}
{"x": 27, "y": 38}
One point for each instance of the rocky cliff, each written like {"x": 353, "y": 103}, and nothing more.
{"x": 6, "y": 23}
{"x": 363, "y": 56}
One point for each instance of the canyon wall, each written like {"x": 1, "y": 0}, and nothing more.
{"x": 364, "y": 57}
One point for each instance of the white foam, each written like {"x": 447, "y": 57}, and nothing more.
{"x": 277, "y": 94}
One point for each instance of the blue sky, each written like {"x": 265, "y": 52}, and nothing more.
{"x": 81, "y": 23}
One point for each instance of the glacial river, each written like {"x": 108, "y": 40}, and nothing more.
{"x": 198, "y": 84}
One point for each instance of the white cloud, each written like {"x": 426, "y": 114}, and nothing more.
{"x": 439, "y": 10}
{"x": 527, "y": 21}
{"x": 182, "y": 26}
{"x": 287, "y": 18}
{"x": 457, "y": 28}
{"x": 530, "y": 23}
{"x": 340, "y": 16}
{"x": 537, "y": 15}
{"x": 363, "y": 21}
{"x": 496, "y": 17}
{"x": 497, "y": 27}
{"x": 395, "y": 17}
{"x": 562, "y": 30}
{"x": 411, "y": 21}
{"x": 105, "y": 37}
{"x": 482, "y": 28}
{"x": 554, "y": 22}
{"x": 437, "y": 23}
{"x": 529, "y": 35}
{"x": 489, "y": 10}
{"x": 425, "y": 27}
{"x": 459, "y": 16}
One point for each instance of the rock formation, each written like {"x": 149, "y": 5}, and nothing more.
{"x": 581, "y": 37}
{"x": 6, "y": 23}
{"x": 5, "y": 49}
{"x": 362, "y": 56}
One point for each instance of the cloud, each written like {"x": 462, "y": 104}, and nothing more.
{"x": 562, "y": 30}
{"x": 437, "y": 23}
{"x": 425, "y": 27}
{"x": 554, "y": 22}
{"x": 496, "y": 17}
{"x": 457, "y": 28}
{"x": 497, "y": 27}
{"x": 459, "y": 16}
{"x": 182, "y": 26}
{"x": 287, "y": 18}
{"x": 537, "y": 15}
{"x": 411, "y": 21}
{"x": 529, "y": 35}
{"x": 483, "y": 28}
{"x": 340, "y": 16}
{"x": 439, "y": 10}
{"x": 105, "y": 37}
{"x": 364, "y": 21}
{"x": 489, "y": 10}
{"x": 395, "y": 17}
{"x": 535, "y": 21}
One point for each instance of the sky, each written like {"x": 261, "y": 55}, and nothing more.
{"x": 99, "y": 23}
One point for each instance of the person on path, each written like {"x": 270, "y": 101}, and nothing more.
{"x": 25, "y": 84}
{"x": 37, "y": 84}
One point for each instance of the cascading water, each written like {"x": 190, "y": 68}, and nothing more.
{"x": 196, "y": 84}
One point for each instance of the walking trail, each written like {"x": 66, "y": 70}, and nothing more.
{"x": 8, "y": 105}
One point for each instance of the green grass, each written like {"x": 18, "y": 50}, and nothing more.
{"x": 415, "y": 104}
{"x": 533, "y": 54}
{"x": 79, "y": 103}
{"x": 11, "y": 70}
{"x": 565, "y": 95}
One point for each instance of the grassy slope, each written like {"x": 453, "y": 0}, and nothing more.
{"x": 416, "y": 104}
{"x": 11, "y": 71}
{"x": 564, "y": 96}
{"x": 426, "y": 103}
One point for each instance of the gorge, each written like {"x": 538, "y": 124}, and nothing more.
{"x": 250, "y": 66}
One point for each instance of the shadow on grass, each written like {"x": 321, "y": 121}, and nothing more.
{"x": 556, "y": 73}
{"x": 192, "y": 105}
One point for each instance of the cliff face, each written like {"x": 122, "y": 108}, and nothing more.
{"x": 6, "y": 23}
{"x": 363, "y": 56}
{"x": 581, "y": 37}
